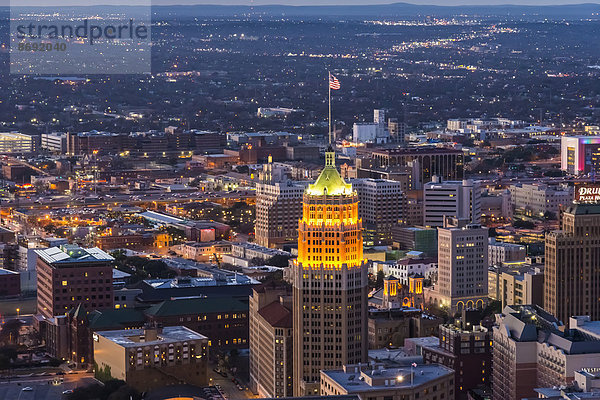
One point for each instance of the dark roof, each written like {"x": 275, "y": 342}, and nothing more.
{"x": 152, "y": 295}
{"x": 581, "y": 209}
{"x": 196, "y": 306}
{"x": 78, "y": 313}
{"x": 175, "y": 391}
{"x": 276, "y": 315}
{"x": 339, "y": 397}
{"x": 391, "y": 278}
{"x": 115, "y": 318}
{"x": 408, "y": 261}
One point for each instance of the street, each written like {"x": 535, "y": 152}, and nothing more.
{"x": 43, "y": 387}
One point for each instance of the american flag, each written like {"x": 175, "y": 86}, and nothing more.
{"x": 334, "y": 83}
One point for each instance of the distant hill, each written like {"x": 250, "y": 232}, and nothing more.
{"x": 396, "y": 10}
{"x": 577, "y": 11}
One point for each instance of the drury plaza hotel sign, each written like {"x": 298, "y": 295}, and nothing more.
{"x": 587, "y": 193}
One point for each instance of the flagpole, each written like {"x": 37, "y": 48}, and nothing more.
{"x": 329, "y": 86}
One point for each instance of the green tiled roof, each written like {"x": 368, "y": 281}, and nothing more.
{"x": 196, "y": 306}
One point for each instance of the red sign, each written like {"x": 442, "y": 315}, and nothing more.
{"x": 587, "y": 193}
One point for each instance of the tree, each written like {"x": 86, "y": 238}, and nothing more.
{"x": 278, "y": 260}
{"x": 10, "y": 331}
{"x": 519, "y": 223}
{"x": 380, "y": 278}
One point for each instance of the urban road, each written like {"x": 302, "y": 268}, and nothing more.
{"x": 42, "y": 387}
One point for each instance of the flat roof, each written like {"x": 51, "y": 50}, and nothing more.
{"x": 67, "y": 254}
{"x": 169, "y": 334}
{"x": 421, "y": 375}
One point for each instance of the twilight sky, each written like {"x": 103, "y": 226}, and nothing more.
{"x": 289, "y": 2}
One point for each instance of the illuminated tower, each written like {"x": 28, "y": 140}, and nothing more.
{"x": 329, "y": 281}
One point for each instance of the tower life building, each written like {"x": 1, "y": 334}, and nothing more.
{"x": 278, "y": 207}
{"x": 329, "y": 282}
{"x": 572, "y": 273}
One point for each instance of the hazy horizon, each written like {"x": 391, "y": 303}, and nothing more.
{"x": 540, "y": 3}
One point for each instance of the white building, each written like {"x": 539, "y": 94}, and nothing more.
{"x": 460, "y": 199}
{"x": 499, "y": 252}
{"x": 55, "y": 142}
{"x": 372, "y": 132}
{"x": 462, "y": 267}
{"x": 407, "y": 267}
{"x": 538, "y": 198}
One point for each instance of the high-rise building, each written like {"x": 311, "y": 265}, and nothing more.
{"x": 462, "y": 267}
{"x": 278, "y": 207}
{"x": 271, "y": 359}
{"x": 572, "y": 274}
{"x": 532, "y": 349}
{"x": 426, "y": 162}
{"x": 467, "y": 349}
{"x": 500, "y": 252}
{"x": 70, "y": 275}
{"x": 460, "y": 199}
{"x": 379, "y": 207}
{"x": 580, "y": 154}
{"x": 329, "y": 281}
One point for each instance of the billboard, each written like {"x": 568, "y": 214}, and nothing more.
{"x": 587, "y": 193}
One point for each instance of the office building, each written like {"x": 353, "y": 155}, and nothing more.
{"x": 462, "y": 268}
{"x": 224, "y": 321}
{"x": 278, "y": 207}
{"x": 329, "y": 281}
{"x": 532, "y": 349}
{"x": 55, "y": 142}
{"x": 397, "y": 130}
{"x": 500, "y": 252}
{"x": 271, "y": 356}
{"x": 371, "y": 132}
{"x": 379, "y": 207}
{"x": 70, "y": 275}
{"x": 466, "y": 349}
{"x": 517, "y": 285}
{"x": 415, "y": 238}
{"x": 459, "y": 199}
{"x": 380, "y": 381}
{"x": 580, "y": 155}
{"x": 14, "y": 142}
{"x": 585, "y": 386}
{"x": 426, "y": 162}
{"x": 572, "y": 274}
{"x": 152, "y": 357}
{"x": 539, "y": 199}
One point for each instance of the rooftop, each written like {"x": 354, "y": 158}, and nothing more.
{"x": 71, "y": 254}
{"x": 355, "y": 381}
{"x": 196, "y": 306}
{"x": 169, "y": 334}
{"x": 188, "y": 282}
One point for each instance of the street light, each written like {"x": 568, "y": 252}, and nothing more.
{"x": 18, "y": 311}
